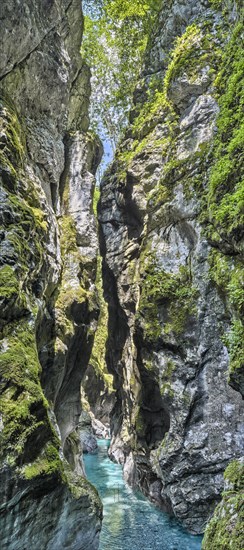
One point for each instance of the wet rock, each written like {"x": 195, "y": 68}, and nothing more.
{"x": 99, "y": 429}
{"x": 86, "y": 435}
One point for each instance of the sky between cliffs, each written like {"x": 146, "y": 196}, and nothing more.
{"x": 114, "y": 42}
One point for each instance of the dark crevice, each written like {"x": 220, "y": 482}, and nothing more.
{"x": 156, "y": 417}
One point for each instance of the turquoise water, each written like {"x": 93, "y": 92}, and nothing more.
{"x": 130, "y": 521}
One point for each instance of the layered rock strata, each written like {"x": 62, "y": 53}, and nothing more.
{"x": 171, "y": 223}
{"x": 48, "y": 252}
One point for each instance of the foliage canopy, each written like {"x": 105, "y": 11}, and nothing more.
{"x": 115, "y": 38}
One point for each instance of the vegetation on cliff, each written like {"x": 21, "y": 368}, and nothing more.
{"x": 226, "y": 191}
{"x": 225, "y": 529}
{"x": 115, "y": 38}
{"x": 24, "y": 409}
{"x": 174, "y": 292}
{"x": 178, "y": 177}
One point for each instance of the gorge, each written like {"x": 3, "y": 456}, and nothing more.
{"x": 129, "y": 311}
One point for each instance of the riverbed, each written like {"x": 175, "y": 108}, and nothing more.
{"x": 130, "y": 521}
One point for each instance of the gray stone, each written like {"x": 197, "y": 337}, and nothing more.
{"x": 49, "y": 244}
{"x": 175, "y": 416}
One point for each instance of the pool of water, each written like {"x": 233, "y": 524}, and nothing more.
{"x": 130, "y": 521}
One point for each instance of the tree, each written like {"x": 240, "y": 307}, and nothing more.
{"x": 115, "y": 38}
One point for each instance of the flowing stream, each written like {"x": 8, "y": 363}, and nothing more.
{"x": 130, "y": 521}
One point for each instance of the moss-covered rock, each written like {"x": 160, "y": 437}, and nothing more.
{"x": 173, "y": 292}
{"x": 98, "y": 356}
{"x": 169, "y": 210}
{"x": 23, "y": 406}
{"x": 24, "y": 409}
{"x": 43, "y": 357}
{"x": 9, "y": 284}
{"x": 225, "y": 529}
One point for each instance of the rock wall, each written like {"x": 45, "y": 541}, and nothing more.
{"x": 48, "y": 251}
{"x": 97, "y": 385}
{"x": 171, "y": 221}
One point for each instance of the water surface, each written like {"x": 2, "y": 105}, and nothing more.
{"x": 130, "y": 521}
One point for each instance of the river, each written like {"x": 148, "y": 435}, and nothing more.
{"x": 130, "y": 521}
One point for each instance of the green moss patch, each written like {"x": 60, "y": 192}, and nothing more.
{"x": 68, "y": 234}
{"x": 9, "y": 284}
{"x": 234, "y": 341}
{"x": 234, "y": 474}
{"x": 226, "y": 183}
{"x": 48, "y": 463}
{"x": 98, "y": 360}
{"x": 81, "y": 487}
{"x": 175, "y": 292}
{"x": 22, "y": 403}
{"x": 225, "y": 529}
{"x": 166, "y": 379}
{"x": 12, "y": 145}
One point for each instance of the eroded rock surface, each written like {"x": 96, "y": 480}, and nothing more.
{"x": 172, "y": 242}
{"x": 48, "y": 302}
{"x": 86, "y": 434}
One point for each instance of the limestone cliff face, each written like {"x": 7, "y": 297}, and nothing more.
{"x": 172, "y": 240}
{"x": 48, "y": 253}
